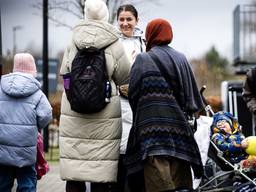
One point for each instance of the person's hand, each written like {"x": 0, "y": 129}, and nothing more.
{"x": 124, "y": 90}
{"x": 236, "y": 144}
{"x": 244, "y": 144}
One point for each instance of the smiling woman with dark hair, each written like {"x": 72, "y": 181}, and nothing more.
{"x": 162, "y": 88}
{"x": 131, "y": 35}
{"x": 131, "y": 38}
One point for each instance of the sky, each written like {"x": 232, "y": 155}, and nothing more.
{"x": 197, "y": 25}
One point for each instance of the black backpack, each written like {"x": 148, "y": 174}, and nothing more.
{"x": 89, "y": 89}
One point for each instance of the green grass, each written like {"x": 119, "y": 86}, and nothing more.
{"x": 52, "y": 155}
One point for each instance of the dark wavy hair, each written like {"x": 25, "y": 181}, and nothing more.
{"x": 127, "y": 7}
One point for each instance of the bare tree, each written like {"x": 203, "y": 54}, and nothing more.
{"x": 59, "y": 10}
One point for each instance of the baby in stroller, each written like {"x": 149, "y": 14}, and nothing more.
{"x": 227, "y": 135}
{"x": 227, "y": 152}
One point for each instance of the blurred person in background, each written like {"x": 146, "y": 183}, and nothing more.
{"x": 249, "y": 94}
{"x": 249, "y": 90}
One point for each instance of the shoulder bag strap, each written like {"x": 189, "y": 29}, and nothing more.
{"x": 161, "y": 68}
{"x": 141, "y": 42}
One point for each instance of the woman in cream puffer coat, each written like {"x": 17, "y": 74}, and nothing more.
{"x": 89, "y": 143}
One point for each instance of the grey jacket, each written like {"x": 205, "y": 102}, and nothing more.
{"x": 24, "y": 110}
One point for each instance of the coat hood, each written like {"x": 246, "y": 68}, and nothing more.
{"x": 19, "y": 84}
{"x": 92, "y": 33}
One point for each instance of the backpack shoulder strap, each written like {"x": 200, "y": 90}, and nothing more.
{"x": 77, "y": 47}
{"x": 106, "y": 71}
{"x": 141, "y": 43}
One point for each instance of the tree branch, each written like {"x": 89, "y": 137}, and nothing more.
{"x": 58, "y": 23}
{"x": 76, "y": 8}
{"x": 76, "y": 4}
{"x": 65, "y": 9}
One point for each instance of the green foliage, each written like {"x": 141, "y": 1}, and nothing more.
{"x": 211, "y": 70}
{"x": 53, "y": 154}
{"x": 216, "y": 62}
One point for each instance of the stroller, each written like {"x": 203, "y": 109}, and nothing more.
{"x": 220, "y": 173}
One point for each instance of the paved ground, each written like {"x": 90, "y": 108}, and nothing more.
{"x": 51, "y": 182}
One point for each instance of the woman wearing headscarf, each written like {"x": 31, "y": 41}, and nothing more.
{"x": 162, "y": 88}
{"x": 90, "y": 143}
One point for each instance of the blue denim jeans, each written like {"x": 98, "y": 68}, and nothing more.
{"x": 26, "y": 178}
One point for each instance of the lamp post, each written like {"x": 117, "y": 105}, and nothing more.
{"x": 45, "y": 65}
{"x": 14, "y": 29}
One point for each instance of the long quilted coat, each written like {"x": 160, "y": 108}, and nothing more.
{"x": 89, "y": 143}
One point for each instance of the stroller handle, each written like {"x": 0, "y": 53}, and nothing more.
{"x": 201, "y": 93}
{"x": 207, "y": 107}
